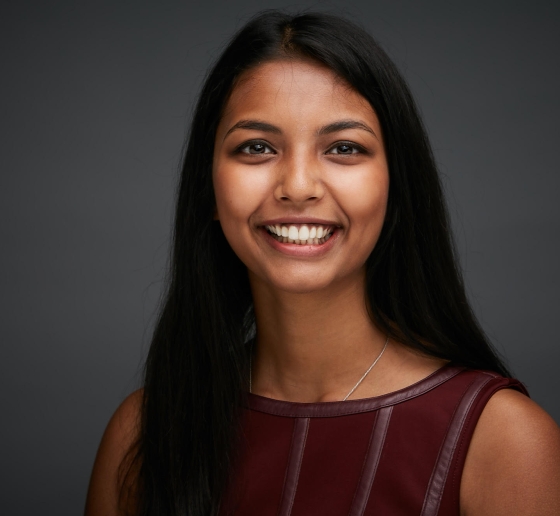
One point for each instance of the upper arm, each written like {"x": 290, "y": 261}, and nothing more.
{"x": 120, "y": 435}
{"x": 513, "y": 462}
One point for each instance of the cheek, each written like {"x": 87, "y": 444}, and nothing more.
{"x": 364, "y": 197}
{"x": 237, "y": 193}
{"x": 232, "y": 212}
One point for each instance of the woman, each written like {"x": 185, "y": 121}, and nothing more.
{"x": 312, "y": 266}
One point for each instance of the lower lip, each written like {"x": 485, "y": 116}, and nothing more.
{"x": 306, "y": 250}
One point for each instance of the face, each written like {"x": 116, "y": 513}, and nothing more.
{"x": 300, "y": 177}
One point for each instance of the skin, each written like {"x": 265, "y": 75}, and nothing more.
{"x": 310, "y": 310}
{"x": 315, "y": 338}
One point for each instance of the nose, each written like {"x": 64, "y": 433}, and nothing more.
{"x": 299, "y": 181}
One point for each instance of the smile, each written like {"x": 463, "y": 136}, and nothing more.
{"x": 300, "y": 234}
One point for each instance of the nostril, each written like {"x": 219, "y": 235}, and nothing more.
{"x": 285, "y": 198}
{"x": 300, "y": 194}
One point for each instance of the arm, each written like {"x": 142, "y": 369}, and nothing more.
{"x": 120, "y": 435}
{"x": 513, "y": 463}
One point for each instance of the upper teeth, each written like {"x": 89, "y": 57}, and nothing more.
{"x": 304, "y": 233}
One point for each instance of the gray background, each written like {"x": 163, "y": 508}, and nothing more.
{"x": 96, "y": 97}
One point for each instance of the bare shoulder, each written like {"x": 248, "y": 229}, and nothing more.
{"x": 513, "y": 462}
{"x": 121, "y": 433}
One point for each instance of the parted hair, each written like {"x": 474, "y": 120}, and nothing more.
{"x": 196, "y": 372}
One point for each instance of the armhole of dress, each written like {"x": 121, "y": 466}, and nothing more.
{"x": 496, "y": 384}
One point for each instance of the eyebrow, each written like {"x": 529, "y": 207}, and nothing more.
{"x": 255, "y": 125}
{"x": 340, "y": 125}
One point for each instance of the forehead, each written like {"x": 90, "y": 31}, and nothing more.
{"x": 295, "y": 89}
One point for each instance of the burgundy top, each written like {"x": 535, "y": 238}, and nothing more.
{"x": 397, "y": 454}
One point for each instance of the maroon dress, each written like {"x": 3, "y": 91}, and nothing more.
{"x": 397, "y": 454}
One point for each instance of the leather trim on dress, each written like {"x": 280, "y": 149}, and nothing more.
{"x": 343, "y": 408}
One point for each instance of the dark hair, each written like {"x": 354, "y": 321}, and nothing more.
{"x": 197, "y": 368}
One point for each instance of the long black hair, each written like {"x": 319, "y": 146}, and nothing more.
{"x": 197, "y": 369}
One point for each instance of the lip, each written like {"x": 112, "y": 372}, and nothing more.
{"x": 299, "y": 219}
{"x": 302, "y": 251}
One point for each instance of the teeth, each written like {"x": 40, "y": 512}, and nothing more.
{"x": 305, "y": 235}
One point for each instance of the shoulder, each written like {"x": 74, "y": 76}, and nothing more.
{"x": 118, "y": 439}
{"x": 513, "y": 462}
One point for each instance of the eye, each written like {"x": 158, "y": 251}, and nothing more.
{"x": 255, "y": 147}
{"x": 345, "y": 149}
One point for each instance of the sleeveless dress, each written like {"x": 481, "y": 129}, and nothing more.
{"x": 397, "y": 454}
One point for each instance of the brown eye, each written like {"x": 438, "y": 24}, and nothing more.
{"x": 255, "y": 148}
{"x": 345, "y": 149}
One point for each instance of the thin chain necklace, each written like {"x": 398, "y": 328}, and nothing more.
{"x": 353, "y": 388}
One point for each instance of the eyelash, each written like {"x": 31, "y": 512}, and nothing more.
{"x": 356, "y": 149}
{"x": 251, "y": 143}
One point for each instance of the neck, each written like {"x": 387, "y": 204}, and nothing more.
{"x": 312, "y": 346}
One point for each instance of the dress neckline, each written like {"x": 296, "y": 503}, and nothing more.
{"x": 343, "y": 408}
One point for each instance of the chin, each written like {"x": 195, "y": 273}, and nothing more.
{"x": 298, "y": 289}
{"x": 300, "y": 284}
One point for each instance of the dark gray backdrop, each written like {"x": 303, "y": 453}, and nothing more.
{"x": 96, "y": 97}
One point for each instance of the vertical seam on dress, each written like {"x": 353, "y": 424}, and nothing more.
{"x": 436, "y": 486}
{"x": 364, "y": 462}
{"x": 371, "y": 461}
{"x": 297, "y": 447}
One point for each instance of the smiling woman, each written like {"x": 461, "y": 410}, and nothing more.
{"x": 316, "y": 353}
{"x": 299, "y": 149}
